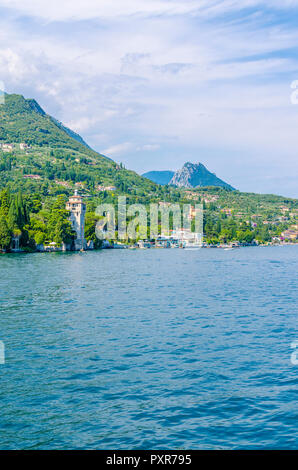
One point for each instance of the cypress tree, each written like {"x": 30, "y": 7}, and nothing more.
{"x": 5, "y": 234}
{"x": 5, "y": 199}
{"x": 13, "y": 216}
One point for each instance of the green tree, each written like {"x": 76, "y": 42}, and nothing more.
{"x": 39, "y": 238}
{"x": 5, "y": 234}
{"x": 91, "y": 220}
{"x": 4, "y": 202}
{"x": 22, "y": 215}
{"x": 13, "y": 216}
{"x": 59, "y": 227}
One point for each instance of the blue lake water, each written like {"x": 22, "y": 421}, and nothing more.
{"x": 149, "y": 349}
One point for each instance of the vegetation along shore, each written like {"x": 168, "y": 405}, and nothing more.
{"x": 43, "y": 163}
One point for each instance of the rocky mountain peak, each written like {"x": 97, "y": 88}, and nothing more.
{"x": 192, "y": 175}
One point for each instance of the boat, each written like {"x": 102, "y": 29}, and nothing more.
{"x": 118, "y": 246}
{"x": 192, "y": 246}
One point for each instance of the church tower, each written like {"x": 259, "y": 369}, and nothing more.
{"x": 77, "y": 210}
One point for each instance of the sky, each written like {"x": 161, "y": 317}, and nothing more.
{"x": 156, "y": 83}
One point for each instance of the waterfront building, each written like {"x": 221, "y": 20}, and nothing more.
{"x": 77, "y": 209}
{"x": 15, "y": 243}
{"x": 290, "y": 234}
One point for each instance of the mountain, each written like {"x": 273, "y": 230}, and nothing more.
{"x": 191, "y": 175}
{"x": 159, "y": 177}
{"x": 23, "y": 120}
{"x": 194, "y": 175}
{"x": 53, "y": 158}
{"x": 41, "y": 158}
{"x": 71, "y": 133}
{"x": 38, "y": 109}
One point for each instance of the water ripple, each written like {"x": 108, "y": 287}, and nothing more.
{"x": 151, "y": 349}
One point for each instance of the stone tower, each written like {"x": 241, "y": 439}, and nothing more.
{"x": 77, "y": 210}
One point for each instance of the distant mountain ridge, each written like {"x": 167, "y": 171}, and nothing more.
{"x": 191, "y": 175}
{"x": 159, "y": 177}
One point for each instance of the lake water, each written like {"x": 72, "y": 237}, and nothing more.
{"x": 149, "y": 349}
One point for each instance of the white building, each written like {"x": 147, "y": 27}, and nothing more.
{"x": 188, "y": 237}
{"x": 7, "y": 147}
{"x": 77, "y": 210}
{"x": 24, "y": 146}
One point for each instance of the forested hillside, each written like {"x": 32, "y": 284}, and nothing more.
{"x": 42, "y": 163}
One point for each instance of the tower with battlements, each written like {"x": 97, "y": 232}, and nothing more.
{"x": 77, "y": 209}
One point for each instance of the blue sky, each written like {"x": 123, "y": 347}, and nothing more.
{"x": 155, "y": 83}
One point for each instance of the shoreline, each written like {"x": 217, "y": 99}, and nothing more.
{"x": 133, "y": 248}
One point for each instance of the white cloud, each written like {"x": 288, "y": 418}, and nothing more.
{"x": 88, "y": 9}
{"x": 75, "y": 10}
{"x": 118, "y": 149}
{"x": 15, "y": 66}
{"x": 148, "y": 147}
{"x": 198, "y": 75}
{"x": 81, "y": 124}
